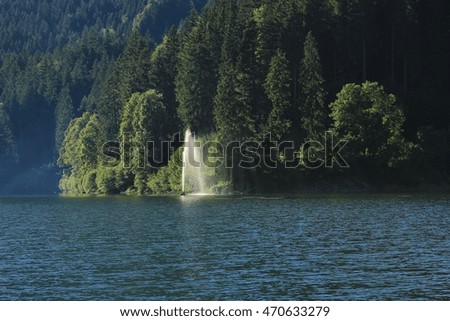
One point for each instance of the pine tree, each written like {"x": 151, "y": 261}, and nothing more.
{"x": 232, "y": 113}
{"x": 272, "y": 20}
{"x": 221, "y": 18}
{"x": 278, "y": 89}
{"x": 247, "y": 62}
{"x": 163, "y": 74}
{"x": 134, "y": 65}
{"x": 130, "y": 74}
{"x": 63, "y": 116}
{"x": 110, "y": 106}
{"x": 189, "y": 23}
{"x": 196, "y": 80}
{"x": 312, "y": 93}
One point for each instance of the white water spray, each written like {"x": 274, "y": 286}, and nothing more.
{"x": 193, "y": 177}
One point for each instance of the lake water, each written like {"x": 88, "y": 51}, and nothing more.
{"x": 366, "y": 247}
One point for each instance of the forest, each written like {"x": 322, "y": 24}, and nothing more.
{"x": 79, "y": 74}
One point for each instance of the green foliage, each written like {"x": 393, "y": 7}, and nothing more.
{"x": 113, "y": 180}
{"x": 69, "y": 184}
{"x": 272, "y": 20}
{"x": 7, "y": 143}
{"x": 68, "y": 156}
{"x": 371, "y": 121}
{"x": 110, "y": 105}
{"x": 164, "y": 68}
{"x": 88, "y": 145}
{"x": 278, "y": 89}
{"x": 222, "y": 187}
{"x": 79, "y": 153}
{"x": 130, "y": 75}
{"x": 89, "y": 182}
{"x": 196, "y": 80}
{"x": 63, "y": 116}
{"x": 312, "y": 94}
{"x": 144, "y": 120}
{"x": 232, "y": 112}
{"x": 168, "y": 179}
{"x": 82, "y": 182}
{"x": 80, "y": 148}
{"x": 45, "y": 25}
{"x": 75, "y": 74}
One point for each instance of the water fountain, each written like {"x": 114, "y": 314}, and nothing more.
{"x": 193, "y": 176}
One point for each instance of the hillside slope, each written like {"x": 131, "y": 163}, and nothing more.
{"x": 55, "y": 59}
{"x": 44, "y": 25}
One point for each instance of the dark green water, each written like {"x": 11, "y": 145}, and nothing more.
{"x": 213, "y": 248}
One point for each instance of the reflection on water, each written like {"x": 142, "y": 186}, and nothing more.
{"x": 225, "y": 248}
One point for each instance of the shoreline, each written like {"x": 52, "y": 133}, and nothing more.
{"x": 328, "y": 190}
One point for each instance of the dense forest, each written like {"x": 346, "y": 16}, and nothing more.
{"x": 78, "y": 74}
{"x": 55, "y": 60}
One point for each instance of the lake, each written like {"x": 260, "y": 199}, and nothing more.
{"x": 330, "y": 247}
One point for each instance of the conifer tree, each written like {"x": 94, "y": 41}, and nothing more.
{"x": 63, "y": 116}
{"x": 278, "y": 89}
{"x": 232, "y": 112}
{"x": 130, "y": 74}
{"x": 110, "y": 105}
{"x": 312, "y": 93}
{"x": 196, "y": 80}
{"x": 163, "y": 74}
{"x": 134, "y": 65}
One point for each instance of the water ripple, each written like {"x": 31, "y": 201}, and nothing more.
{"x": 306, "y": 248}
